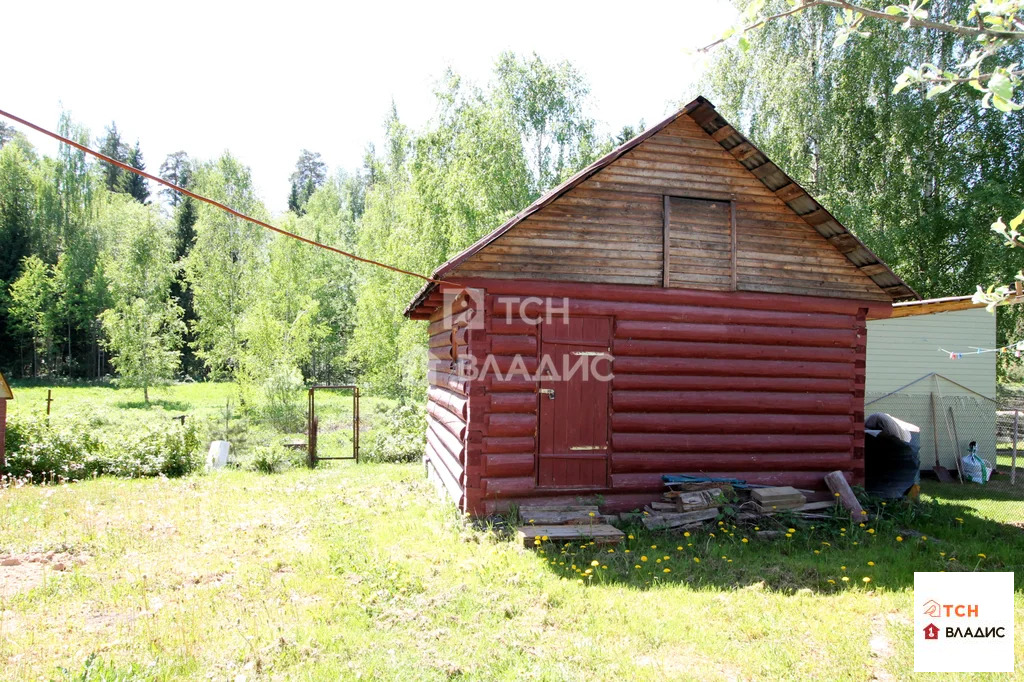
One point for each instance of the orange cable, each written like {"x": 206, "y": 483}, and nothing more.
{"x": 212, "y": 202}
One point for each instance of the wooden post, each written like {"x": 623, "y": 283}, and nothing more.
{"x": 49, "y": 399}
{"x": 836, "y": 482}
{"x": 3, "y": 434}
{"x": 1013, "y": 459}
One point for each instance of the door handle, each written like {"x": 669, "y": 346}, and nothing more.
{"x": 550, "y": 392}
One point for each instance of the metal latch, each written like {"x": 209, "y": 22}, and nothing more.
{"x": 549, "y": 391}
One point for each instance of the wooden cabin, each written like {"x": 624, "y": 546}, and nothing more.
{"x": 722, "y": 309}
{"x": 5, "y": 395}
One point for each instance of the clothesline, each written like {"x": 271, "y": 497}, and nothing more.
{"x": 1016, "y": 348}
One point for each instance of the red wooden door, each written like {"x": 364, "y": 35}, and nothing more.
{"x": 575, "y": 391}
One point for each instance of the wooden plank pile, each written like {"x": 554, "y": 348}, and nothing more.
{"x": 685, "y": 506}
{"x": 563, "y": 523}
{"x": 768, "y": 500}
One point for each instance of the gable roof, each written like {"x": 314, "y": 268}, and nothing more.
{"x": 5, "y": 389}
{"x": 753, "y": 159}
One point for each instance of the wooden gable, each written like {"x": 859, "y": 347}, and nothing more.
{"x": 5, "y": 389}
{"x": 679, "y": 210}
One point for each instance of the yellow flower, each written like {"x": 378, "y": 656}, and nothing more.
{"x": 530, "y": 521}
{"x": 942, "y": 554}
{"x": 591, "y": 514}
{"x": 658, "y": 561}
{"x": 711, "y": 534}
{"x": 863, "y": 513}
{"x": 643, "y": 558}
{"x": 832, "y": 581}
{"x": 654, "y": 547}
{"x": 637, "y": 566}
{"x": 667, "y": 570}
{"x": 536, "y": 541}
{"x": 842, "y": 568}
{"x": 866, "y": 579}
{"x": 793, "y": 530}
{"x": 686, "y": 534}
{"x": 862, "y": 525}
{"x": 982, "y": 556}
{"x": 871, "y": 563}
{"x": 789, "y": 535}
{"x": 724, "y": 557}
{"x": 611, "y": 551}
{"x": 626, "y": 551}
{"x": 924, "y": 537}
{"x": 696, "y": 559}
{"x": 959, "y": 519}
{"x": 817, "y": 551}
{"x": 757, "y": 528}
{"x": 666, "y": 557}
{"x": 846, "y": 578}
{"x": 588, "y": 571}
{"x": 544, "y": 538}
{"x": 744, "y": 540}
{"x": 631, "y": 537}
{"x": 899, "y": 538}
{"x": 843, "y": 529}
{"x": 595, "y": 562}
{"x": 871, "y": 530}
{"x": 604, "y": 567}
{"x": 837, "y": 494}
{"x": 678, "y": 549}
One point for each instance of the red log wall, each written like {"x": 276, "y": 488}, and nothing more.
{"x": 764, "y": 387}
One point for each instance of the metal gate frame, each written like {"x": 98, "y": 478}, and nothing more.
{"x": 313, "y": 423}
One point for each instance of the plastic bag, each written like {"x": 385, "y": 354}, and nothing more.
{"x": 975, "y": 468}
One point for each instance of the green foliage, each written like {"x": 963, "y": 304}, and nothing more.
{"x": 226, "y": 263}
{"x": 273, "y": 459}
{"x": 400, "y": 435}
{"x": 76, "y": 448}
{"x": 32, "y": 309}
{"x": 143, "y": 327}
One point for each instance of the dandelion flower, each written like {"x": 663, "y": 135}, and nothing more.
{"x": 686, "y": 534}
{"x": 637, "y": 566}
{"x": 654, "y": 547}
{"x": 983, "y": 556}
{"x": 959, "y": 519}
{"x": 866, "y": 579}
{"x": 792, "y": 530}
{"x": 846, "y": 578}
{"x": 862, "y": 525}
{"x": 924, "y": 537}
{"x": 843, "y": 529}
{"x": 871, "y": 563}
{"x": 667, "y": 570}
{"x": 611, "y": 551}
{"x": 871, "y": 530}
{"x": 789, "y": 535}
{"x": 666, "y": 557}
{"x": 530, "y": 521}
{"x": 643, "y": 558}
{"x": 837, "y": 494}
{"x": 744, "y": 540}
{"x": 591, "y": 514}
{"x": 696, "y": 559}
{"x": 832, "y": 581}
{"x": 631, "y": 537}
{"x": 899, "y": 538}
{"x": 842, "y": 568}
{"x": 544, "y": 538}
{"x": 679, "y": 549}
{"x": 817, "y": 551}
{"x": 595, "y": 562}
{"x": 604, "y": 566}
{"x": 757, "y": 528}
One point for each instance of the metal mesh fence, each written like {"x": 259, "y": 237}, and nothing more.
{"x": 952, "y": 418}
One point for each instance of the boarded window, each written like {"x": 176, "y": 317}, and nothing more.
{"x": 699, "y": 246}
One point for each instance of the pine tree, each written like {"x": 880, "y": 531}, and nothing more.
{"x": 136, "y": 185}
{"x": 310, "y": 173}
{"x": 113, "y": 147}
{"x": 176, "y": 169}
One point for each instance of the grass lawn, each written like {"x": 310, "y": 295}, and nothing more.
{"x": 352, "y": 572}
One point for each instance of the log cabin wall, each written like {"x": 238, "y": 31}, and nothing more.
{"x": 448, "y": 397}
{"x": 766, "y": 388}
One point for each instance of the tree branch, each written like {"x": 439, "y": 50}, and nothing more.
{"x": 944, "y": 27}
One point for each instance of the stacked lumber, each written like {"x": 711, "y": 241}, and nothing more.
{"x": 599, "y": 533}
{"x": 686, "y": 506}
{"x": 781, "y": 498}
{"x": 560, "y": 514}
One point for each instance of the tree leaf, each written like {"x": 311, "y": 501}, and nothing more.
{"x": 1016, "y": 222}
{"x": 895, "y": 9}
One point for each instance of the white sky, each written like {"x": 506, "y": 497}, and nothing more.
{"x": 268, "y": 79}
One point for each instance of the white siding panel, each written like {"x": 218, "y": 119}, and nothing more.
{"x": 906, "y": 348}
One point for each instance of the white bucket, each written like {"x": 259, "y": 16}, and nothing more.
{"x": 218, "y": 457}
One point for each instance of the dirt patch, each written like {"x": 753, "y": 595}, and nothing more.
{"x": 881, "y": 649}
{"x": 23, "y": 572}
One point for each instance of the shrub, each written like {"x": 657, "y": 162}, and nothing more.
{"x": 401, "y": 436}
{"x": 69, "y": 448}
{"x": 272, "y": 459}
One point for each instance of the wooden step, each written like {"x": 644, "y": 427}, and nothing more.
{"x": 548, "y": 516}
{"x": 601, "y": 533}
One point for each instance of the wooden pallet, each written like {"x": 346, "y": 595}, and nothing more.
{"x": 601, "y": 533}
